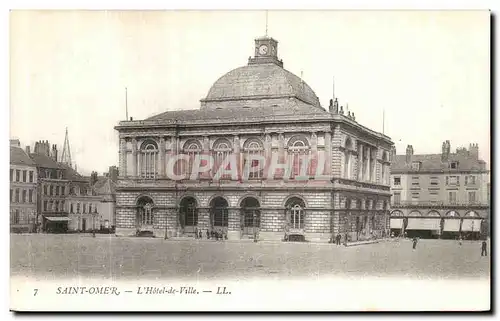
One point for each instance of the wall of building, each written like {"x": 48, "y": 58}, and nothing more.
{"x": 23, "y": 181}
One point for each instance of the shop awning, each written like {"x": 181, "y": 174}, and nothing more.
{"x": 57, "y": 218}
{"x": 396, "y": 223}
{"x": 451, "y": 225}
{"x": 429, "y": 224}
{"x": 471, "y": 225}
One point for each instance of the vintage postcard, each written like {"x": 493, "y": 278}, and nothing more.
{"x": 250, "y": 160}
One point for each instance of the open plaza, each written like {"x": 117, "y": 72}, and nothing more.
{"x": 60, "y": 257}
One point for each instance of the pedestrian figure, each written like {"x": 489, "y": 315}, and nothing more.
{"x": 195, "y": 232}
{"x": 460, "y": 241}
{"x": 345, "y": 239}
{"x": 338, "y": 239}
{"x": 483, "y": 249}
{"x": 200, "y": 235}
{"x": 208, "y": 235}
{"x": 415, "y": 243}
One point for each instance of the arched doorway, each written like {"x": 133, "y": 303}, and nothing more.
{"x": 219, "y": 213}
{"x": 188, "y": 215}
{"x": 250, "y": 212}
{"x": 144, "y": 215}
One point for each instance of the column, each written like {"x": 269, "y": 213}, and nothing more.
{"x": 236, "y": 150}
{"x": 174, "y": 151}
{"x": 314, "y": 153}
{"x": 234, "y": 221}
{"x": 360, "y": 162}
{"x": 206, "y": 151}
{"x": 123, "y": 157}
{"x": 368, "y": 164}
{"x": 267, "y": 153}
{"x": 134, "y": 157}
{"x": 161, "y": 158}
{"x": 328, "y": 153}
{"x": 282, "y": 158}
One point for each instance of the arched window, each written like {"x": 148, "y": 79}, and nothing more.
{"x": 221, "y": 150}
{"x": 192, "y": 148}
{"x": 295, "y": 208}
{"x": 298, "y": 149}
{"x": 348, "y": 203}
{"x": 71, "y": 208}
{"x": 253, "y": 152}
{"x": 148, "y": 158}
{"x": 145, "y": 211}
{"x": 358, "y": 204}
{"x": 78, "y": 208}
{"x": 84, "y": 208}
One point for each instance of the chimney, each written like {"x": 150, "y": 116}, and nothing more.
{"x": 15, "y": 142}
{"x": 409, "y": 154}
{"x": 330, "y": 107}
{"x": 444, "y": 152}
{"x": 113, "y": 173}
{"x": 93, "y": 178}
{"x": 28, "y": 150}
{"x": 474, "y": 150}
{"x": 54, "y": 152}
{"x": 336, "y": 106}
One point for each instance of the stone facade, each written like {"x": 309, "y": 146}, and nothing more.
{"x": 440, "y": 195}
{"x": 353, "y": 160}
{"x": 23, "y": 190}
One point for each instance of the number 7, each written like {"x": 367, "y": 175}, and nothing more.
{"x": 36, "y": 291}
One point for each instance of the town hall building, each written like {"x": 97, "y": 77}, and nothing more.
{"x": 258, "y": 109}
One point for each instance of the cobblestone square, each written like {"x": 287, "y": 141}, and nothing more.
{"x": 54, "y": 257}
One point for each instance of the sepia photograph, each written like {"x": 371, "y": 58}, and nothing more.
{"x": 250, "y": 160}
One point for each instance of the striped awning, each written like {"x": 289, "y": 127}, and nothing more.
{"x": 451, "y": 225}
{"x": 57, "y": 218}
{"x": 471, "y": 225}
{"x": 396, "y": 223}
{"x": 424, "y": 224}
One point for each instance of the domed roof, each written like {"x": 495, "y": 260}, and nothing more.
{"x": 263, "y": 81}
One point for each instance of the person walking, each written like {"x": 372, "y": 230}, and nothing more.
{"x": 338, "y": 239}
{"x": 484, "y": 251}
{"x": 415, "y": 243}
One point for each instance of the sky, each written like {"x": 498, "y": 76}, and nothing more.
{"x": 428, "y": 72}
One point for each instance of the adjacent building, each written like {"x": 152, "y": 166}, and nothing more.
{"x": 105, "y": 188}
{"x": 23, "y": 189}
{"x": 258, "y": 109}
{"x": 439, "y": 195}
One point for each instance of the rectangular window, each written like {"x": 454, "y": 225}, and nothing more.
{"x": 24, "y": 196}
{"x": 452, "y": 197}
{"x": 397, "y": 198}
{"x": 397, "y": 181}
{"x": 63, "y": 190}
{"x": 31, "y": 196}
{"x": 11, "y": 195}
{"x": 57, "y": 190}
{"x": 44, "y": 189}
{"x": 31, "y": 176}
{"x": 18, "y": 175}
{"x": 45, "y": 205}
{"x": 452, "y": 180}
{"x": 84, "y": 208}
{"x": 25, "y": 177}
{"x": 472, "y": 197}
{"x": 415, "y": 181}
{"x": 17, "y": 195}
{"x": 454, "y": 165}
{"x": 51, "y": 190}
{"x": 78, "y": 207}
{"x": 11, "y": 174}
{"x": 415, "y": 197}
{"x": 433, "y": 197}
